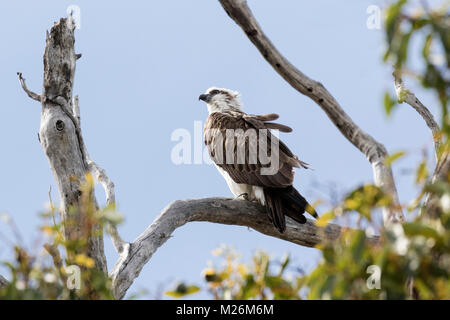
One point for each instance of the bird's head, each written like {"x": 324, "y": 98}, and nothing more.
{"x": 220, "y": 99}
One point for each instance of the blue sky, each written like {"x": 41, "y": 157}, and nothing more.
{"x": 145, "y": 63}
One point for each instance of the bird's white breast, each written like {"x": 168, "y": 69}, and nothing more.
{"x": 237, "y": 189}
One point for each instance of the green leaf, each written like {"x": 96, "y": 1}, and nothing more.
{"x": 325, "y": 218}
{"x": 365, "y": 198}
{"x": 389, "y": 103}
{"x": 110, "y": 215}
{"x": 438, "y": 188}
{"x": 182, "y": 290}
{"x": 279, "y": 286}
{"x": 358, "y": 245}
{"x": 427, "y": 46}
{"x": 250, "y": 289}
{"x": 418, "y": 229}
{"x": 393, "y": 157}
{"x": 402, "y": 51}
{"x": 284, "y": 264}
{"x": 393, "y": 19}
{"x": 422, "y": 172}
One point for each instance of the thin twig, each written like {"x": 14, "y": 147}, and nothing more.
{"x": 57, "y": 261}
{"x": 404, "y": 95}
{"x": 30, "y": 93}
{"x": 102, "y": 177}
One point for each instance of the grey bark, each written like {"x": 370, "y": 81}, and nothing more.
{"x": 215, "y": 210}
{"x": 3, "y": 282}
{"x": 404, "y": 95}
{"x": 101, "y": 176}
{"x": 431, "y": 205}
{"x": 60, "y": 135}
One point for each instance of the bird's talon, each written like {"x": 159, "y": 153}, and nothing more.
{"x": 243, "y": 195}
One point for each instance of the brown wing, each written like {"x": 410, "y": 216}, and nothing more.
{"x": 236, "y": 150}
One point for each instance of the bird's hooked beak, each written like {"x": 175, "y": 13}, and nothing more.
{"x": 205, "y": 97}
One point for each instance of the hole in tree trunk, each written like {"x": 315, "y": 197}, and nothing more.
{"x": 60, "y": 125}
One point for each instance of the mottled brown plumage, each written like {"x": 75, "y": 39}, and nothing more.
{"x": 250, "y": 173}
{"x": 229, "y": 129}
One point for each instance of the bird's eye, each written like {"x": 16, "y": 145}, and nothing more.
{"x": 213, "y": 92}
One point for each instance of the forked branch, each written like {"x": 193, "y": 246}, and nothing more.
{"x": 215, "y": 210}
{"x": 404, "y": 95}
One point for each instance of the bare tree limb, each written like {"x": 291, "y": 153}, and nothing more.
{"x": 215, "y": 210}
{"x": 404, "y": 95}
{"x": 30, "y": 93}
{"x": 432, "y": 207}
{"x": 3, "y": 282}
{"x": 442, "y": 161}
{"x": 102, "y": 177}
{"x": 53, "y": 251}
{"x": 372, "y": 149}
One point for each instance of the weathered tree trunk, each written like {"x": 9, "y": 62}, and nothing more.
{"x": 60, "y": 136}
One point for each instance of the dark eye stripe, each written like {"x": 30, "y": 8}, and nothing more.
{"x": 215, "y": 91}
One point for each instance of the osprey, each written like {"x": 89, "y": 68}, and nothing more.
{"x": 253, "y": 161}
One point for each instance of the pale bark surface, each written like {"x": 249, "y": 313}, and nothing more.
{"x": 442, "y": 160}
{"x": 60, "y": 135}
{"x": 404, "y": 95}
{"x": 432, "y": 206}
{"x": 215, "y": 210}
{"x": 3, "y": 282}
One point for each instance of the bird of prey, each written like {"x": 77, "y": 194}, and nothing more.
{"x": 235, "y": 142}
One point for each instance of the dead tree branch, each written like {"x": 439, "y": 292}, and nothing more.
{"x": 404, "y": 95}
{"x": 374, "y": 151}
{"x": 442, "y": 161}
{"x": 30, "y": 93}
{"x": 432, "y": 206}
{"x": 215, "y": 210}
{"x": 3, "y": 282}
{"x": 102, "y": 177}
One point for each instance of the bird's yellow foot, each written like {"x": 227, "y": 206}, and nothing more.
{"x": 243, "y": 195}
